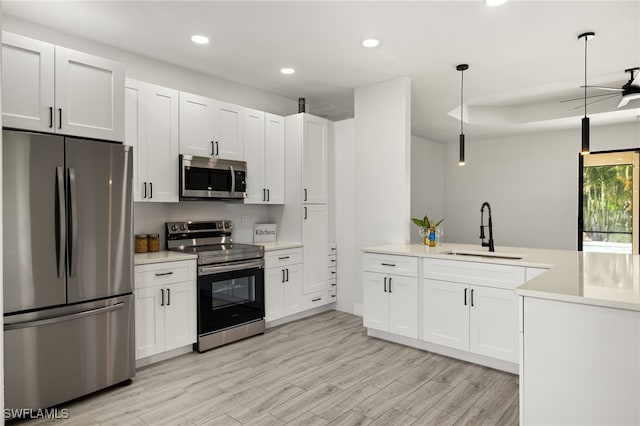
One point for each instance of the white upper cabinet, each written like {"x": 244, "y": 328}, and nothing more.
{"x": 152, "y": 129}
{"x": 196, "y": 125}
{"x": 254, "y": 155}
{"x": 274, "y": 158}
{"x": 210, "y": 128}
{"x": 55, "y": 89}
{"x": 314, "y": 160}
{"x": 27, "y": 83}
{"x": 228, "y": 131}
{"x": 264, "y": 154}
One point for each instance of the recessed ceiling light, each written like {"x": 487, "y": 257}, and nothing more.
{"x": 495, "y": 2}
{"x": 199, "y": 39}
{"x": 371, "y": 42}
{"x": 287, "y": 71}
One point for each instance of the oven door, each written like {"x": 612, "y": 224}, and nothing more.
{"x": 229, "y": 295}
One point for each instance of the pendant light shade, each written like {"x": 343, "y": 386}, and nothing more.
{"x": 462, "y": 68}
{"x": 585, "y": 120}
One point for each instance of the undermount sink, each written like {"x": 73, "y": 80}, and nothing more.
{"x": 485, "y": 254}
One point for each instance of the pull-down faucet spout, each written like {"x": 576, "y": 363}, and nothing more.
{"x": 490, "y": 243}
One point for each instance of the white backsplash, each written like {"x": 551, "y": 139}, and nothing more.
{"x": 150, "y": 218}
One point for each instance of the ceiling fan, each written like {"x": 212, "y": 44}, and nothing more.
{"x": 630, "y": 90}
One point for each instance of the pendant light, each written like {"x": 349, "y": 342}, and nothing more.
{"x": 585, "y": 120}
{"x": 462, "y": 68}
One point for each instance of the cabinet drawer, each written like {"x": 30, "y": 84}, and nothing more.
{"x": 282, "y": 257}
{"x": 333, "y": 273}
{"x": 333, "y": 283}
{"x": 484, "y": 274}
{"x": 317, "y": 299}
{"x": 158, "y": 274}
{"x": 333, "y": 260}
{"x": 332, "y": 249}
{"x": 333, "y": 295}
{"x": 390, "y": 264}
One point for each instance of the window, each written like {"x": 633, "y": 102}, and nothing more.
{"x": 609, "y": 205}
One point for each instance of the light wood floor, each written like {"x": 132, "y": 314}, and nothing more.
{"x": 317, "y": 371}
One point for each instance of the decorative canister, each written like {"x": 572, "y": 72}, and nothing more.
{"x": 153, "y": 242}
{"x": 142, "y": 245}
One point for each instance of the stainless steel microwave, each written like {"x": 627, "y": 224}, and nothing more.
{"x": 210, "y": 178}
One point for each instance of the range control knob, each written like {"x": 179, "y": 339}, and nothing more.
{"x": 183, "y": 227}
{"x": 227, "y": 225}
{"x": 219, "y": 225}
{"x": 174, "y": 228}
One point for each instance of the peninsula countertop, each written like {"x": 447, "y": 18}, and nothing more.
{"x": 599, "y": 279}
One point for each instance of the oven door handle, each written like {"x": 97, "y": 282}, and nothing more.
{"x": 216, "y": 269}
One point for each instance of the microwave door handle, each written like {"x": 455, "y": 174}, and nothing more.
{"x": 233, "y": 180}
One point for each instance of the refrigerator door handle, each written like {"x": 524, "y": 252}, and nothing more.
{"x": 73, "y": 223}
{"x": 61, "y": 231}
{"x": 55, "y": 320}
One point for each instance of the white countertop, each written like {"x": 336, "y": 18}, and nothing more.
{"x": 279, "y": 245}
{"x": 161, "y": 256}
{"x": 601, "y": 279}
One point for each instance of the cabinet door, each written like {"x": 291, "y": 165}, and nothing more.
{"x": 196, "y": 125}
{"x": 149, "y": 322}
{"x": 315, "y": 238}
{"x": 494, "y": 323}
{"x": 293, "y": 300}
{"x": 228, "y": 131}
{"x": 27, "y": 83}
{"x": 314, "y": 160}
{"x": 132, "y": 109}
{"x": 375, "y": 301}
{"x": 254, "y": 155}
{"x": 180, "y": 314}
{"x": 274, "y": 158}
{"x": 89, "y": 94}
{"x": 446, "y": 314}
{"x": 159, "y": 133}
{"x": 403, "y": 305}
{"x": 274, "y": 293}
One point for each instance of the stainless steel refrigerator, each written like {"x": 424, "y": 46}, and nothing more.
{"x": 68, "y": 267}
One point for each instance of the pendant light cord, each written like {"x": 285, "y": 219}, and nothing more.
{"x": 461, "y": 102}
{"x": 585, "y": 75}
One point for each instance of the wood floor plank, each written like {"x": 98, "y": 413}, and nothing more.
{"x": 499, "y": 397}
{"x": 343, "y": 401}
{"x": 394, "y": 418}
{"x": 309, "y": 419}
{"x": 297, "y": 406}
{"x": 383, "y": 400}
{"x": 460, "y": 398}
{"x": 437, "y": 417}
{"x": 351, "y": 418}
{"x": 424, "y": 398}
{"x": 263, "y": 404}
{"x": 511, "y": 416}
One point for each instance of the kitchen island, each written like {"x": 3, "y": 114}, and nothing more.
{"x": 578, "y": 323}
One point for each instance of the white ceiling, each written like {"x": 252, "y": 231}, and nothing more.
{"x": 524, "y": 56}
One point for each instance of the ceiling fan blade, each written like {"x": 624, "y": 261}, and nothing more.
{"x": 582, "y": 97}
{"x": 599, "y": 100}
{"x": 624, "y": 101}
{"x": 603, "y": 88}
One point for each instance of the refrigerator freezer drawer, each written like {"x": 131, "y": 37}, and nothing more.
{"x": 58, "y": 355}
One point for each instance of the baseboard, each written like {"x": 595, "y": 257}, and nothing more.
{"x": 498, "y": 364}
{"x": 300, "y": 315}
{"x": 143, "y": 362}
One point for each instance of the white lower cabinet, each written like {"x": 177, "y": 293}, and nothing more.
{"x": 390, "y": 302}
{"x": 471, "y": 317}
{"x": 315, "y": 231}
{"x": 481, "y": 320}
{"x": 283, "y": 283}
{"x": 165, "y": 307}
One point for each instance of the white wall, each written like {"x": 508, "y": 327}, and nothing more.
{"x": 427, "y": 182}
{"x": 531, "y": 182}
{"x": 372, "y": 193}
{"x": 1, "y": 252}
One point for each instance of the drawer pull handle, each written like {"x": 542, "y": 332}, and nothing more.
{"x": 465, "y": 297}
{"x": 385, "y": 284}
{"x": 334, "y": 285}
{"x": 333, "y": 295}
{"x": 161, "y": 297}
{"x": 333, "y": 260}
{"x": 316, "y": 299}
{"x": 162, "y": 274}
{"x": 388, "y": 264}
{"x": 284, "y": 257}
{"x": 333, "y": 272}
{"x": 389, "y": 284}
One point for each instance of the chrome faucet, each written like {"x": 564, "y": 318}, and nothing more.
{"x": 490, "y": 225}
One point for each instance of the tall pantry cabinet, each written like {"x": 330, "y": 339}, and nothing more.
{"x": 306, "y": 139}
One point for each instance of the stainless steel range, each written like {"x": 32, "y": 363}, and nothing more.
{"x": 230, "y": 281}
